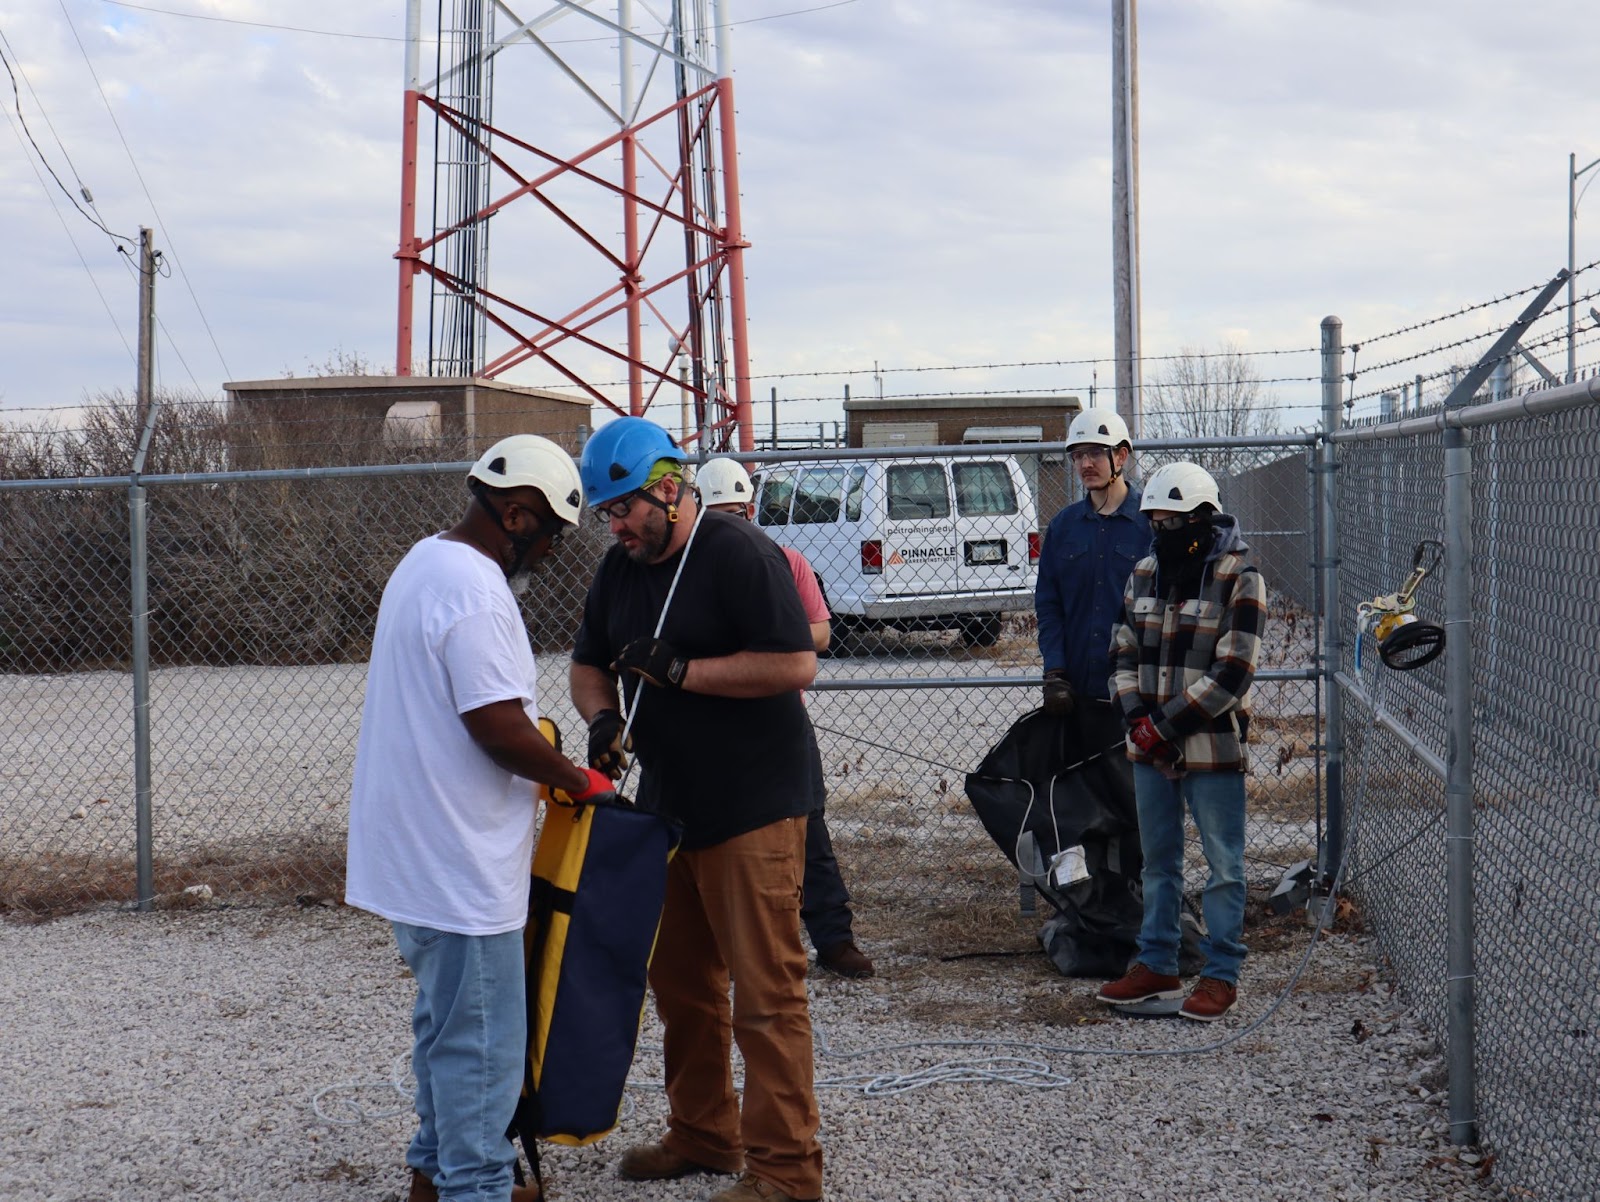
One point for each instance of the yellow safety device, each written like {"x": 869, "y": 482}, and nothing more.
{"x": 1405, "y": 641}
{"x": 594, "y": 909}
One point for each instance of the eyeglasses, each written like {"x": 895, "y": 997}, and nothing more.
{"x": 1176, "y": 522}
{"x": 619, "y": 509}
{"x": 552, "y": 528}
{"x": 1085, "y": 454}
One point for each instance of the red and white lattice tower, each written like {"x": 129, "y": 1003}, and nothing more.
{"x": 626, "y": 115}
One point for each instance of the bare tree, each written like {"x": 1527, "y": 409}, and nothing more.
{"x": 340, "y": 362}
{"x": 1209, "y": 394}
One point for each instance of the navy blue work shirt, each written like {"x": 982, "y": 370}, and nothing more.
{"x": 1085, "y": 562}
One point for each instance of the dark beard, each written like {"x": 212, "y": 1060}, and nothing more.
{"x": 653, "y": 542}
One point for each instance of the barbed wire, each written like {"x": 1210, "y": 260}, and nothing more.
{"x": 1443, "y": 373}
{"x": 1471, "y": 338}
{"x": 1072, "y": 388}
{"x": 1433, "y": 321}
{"x": 884, "y": 371}
{"x": 827, "y": 373}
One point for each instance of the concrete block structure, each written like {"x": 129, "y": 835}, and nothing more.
{"x": 965, "y": 420}
{"x": 345, "y": 419}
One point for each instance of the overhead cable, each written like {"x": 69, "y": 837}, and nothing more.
{"x": 92, "y": 218}
{"x": 171, "y": 244}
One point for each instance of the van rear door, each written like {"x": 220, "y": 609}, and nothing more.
{"x": 919, "y": 530}
{"x": 991, "y": 526}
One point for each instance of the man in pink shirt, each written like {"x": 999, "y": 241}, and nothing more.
{"x": 825, "y": 906}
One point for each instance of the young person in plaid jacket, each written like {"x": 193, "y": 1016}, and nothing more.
{"x": 1184, "y": 654}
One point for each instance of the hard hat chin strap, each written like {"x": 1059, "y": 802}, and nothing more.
{"x": 669, "y": 508}
{"x": 521, "y": 544}
{"x": 1116, "y": 472}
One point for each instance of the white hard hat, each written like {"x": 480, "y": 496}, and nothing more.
{"x": 1180, "y": 487}
{"x": 526, "y": 460}
{"x": 724, "y": 482}
{"x": 1098, "y": 427}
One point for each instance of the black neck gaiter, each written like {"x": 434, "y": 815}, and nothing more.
{"x": 1181, "y": 553}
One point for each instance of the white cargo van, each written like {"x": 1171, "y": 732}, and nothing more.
{"x": 933, "y": 543}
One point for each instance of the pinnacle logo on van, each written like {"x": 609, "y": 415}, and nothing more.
{"x": 920, "y": 554}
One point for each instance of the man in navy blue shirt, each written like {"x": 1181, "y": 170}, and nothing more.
{"x": 1089, "y": 552}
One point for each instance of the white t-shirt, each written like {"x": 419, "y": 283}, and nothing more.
{"x": 440, "y": 836}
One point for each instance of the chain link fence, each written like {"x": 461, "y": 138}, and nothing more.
{"x": 1534, "y": 701}
{"x": 262, "y": 593}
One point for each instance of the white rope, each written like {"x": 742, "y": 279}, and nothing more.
{"x": 354, "y": 1113}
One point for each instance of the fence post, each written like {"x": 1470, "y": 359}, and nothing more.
{"x": 139, "y": 581}
{"x": 1460, "y": 969}
{"x": 1332, "y": 856}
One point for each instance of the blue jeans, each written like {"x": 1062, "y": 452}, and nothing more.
{"x": 471, "y": 1031}
{"x": 1216, "y": 799}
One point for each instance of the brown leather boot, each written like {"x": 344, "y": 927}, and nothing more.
{"x": 751, "y": 1188}
{"x": 846, "y": 959}
{"x": 657, "y": 1162}
{"x": 424, "y": 1190}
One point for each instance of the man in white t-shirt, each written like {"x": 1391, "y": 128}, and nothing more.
{"x": 442, "y": 812}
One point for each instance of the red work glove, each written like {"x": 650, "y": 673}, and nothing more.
{"x": 1147, "y": 738}
{"x": 599, "y": 787}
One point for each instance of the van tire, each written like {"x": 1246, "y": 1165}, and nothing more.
{"x": 840, "y": 629}
{"x": 980, "y": 630}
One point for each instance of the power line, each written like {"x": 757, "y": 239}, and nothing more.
{"x": 94, "y": 283}
{"x": 171, "y": 244}
{"x": 385, "y": 37}
{"x": 92, "y": 218}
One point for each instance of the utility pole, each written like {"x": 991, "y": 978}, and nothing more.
{"x": 147, "y": 326}
{"x": 139, "y": 574}
{"x": 1125, "y": 208}
{"x": 1573, "y": 172}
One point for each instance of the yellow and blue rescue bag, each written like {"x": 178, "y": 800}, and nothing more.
{"x": 599, "y": 879}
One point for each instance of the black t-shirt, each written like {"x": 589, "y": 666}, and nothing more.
{"x": 722, "y": 766}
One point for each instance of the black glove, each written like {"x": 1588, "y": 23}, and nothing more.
{"x": 653, "y": 660}
{"x": 1059, "y": 698}
{"x": 607, "y": 752}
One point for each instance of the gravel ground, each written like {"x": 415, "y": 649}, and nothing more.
{"x": 178, "y": 1054}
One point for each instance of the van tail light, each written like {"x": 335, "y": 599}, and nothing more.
{"x": 872, "y": 557}
{"x": 1034, "y": 542}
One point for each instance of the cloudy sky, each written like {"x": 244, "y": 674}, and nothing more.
{"x": 927, "y": 184}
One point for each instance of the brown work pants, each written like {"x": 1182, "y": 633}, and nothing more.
{"x": 733, "y": 912}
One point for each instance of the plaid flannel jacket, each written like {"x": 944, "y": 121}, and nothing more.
{"x": 1187, "y": 663}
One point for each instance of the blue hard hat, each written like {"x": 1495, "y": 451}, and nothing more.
{"x": 618, "y": 458}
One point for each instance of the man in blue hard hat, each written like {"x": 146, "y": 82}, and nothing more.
{"x": 730, "y": 659}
